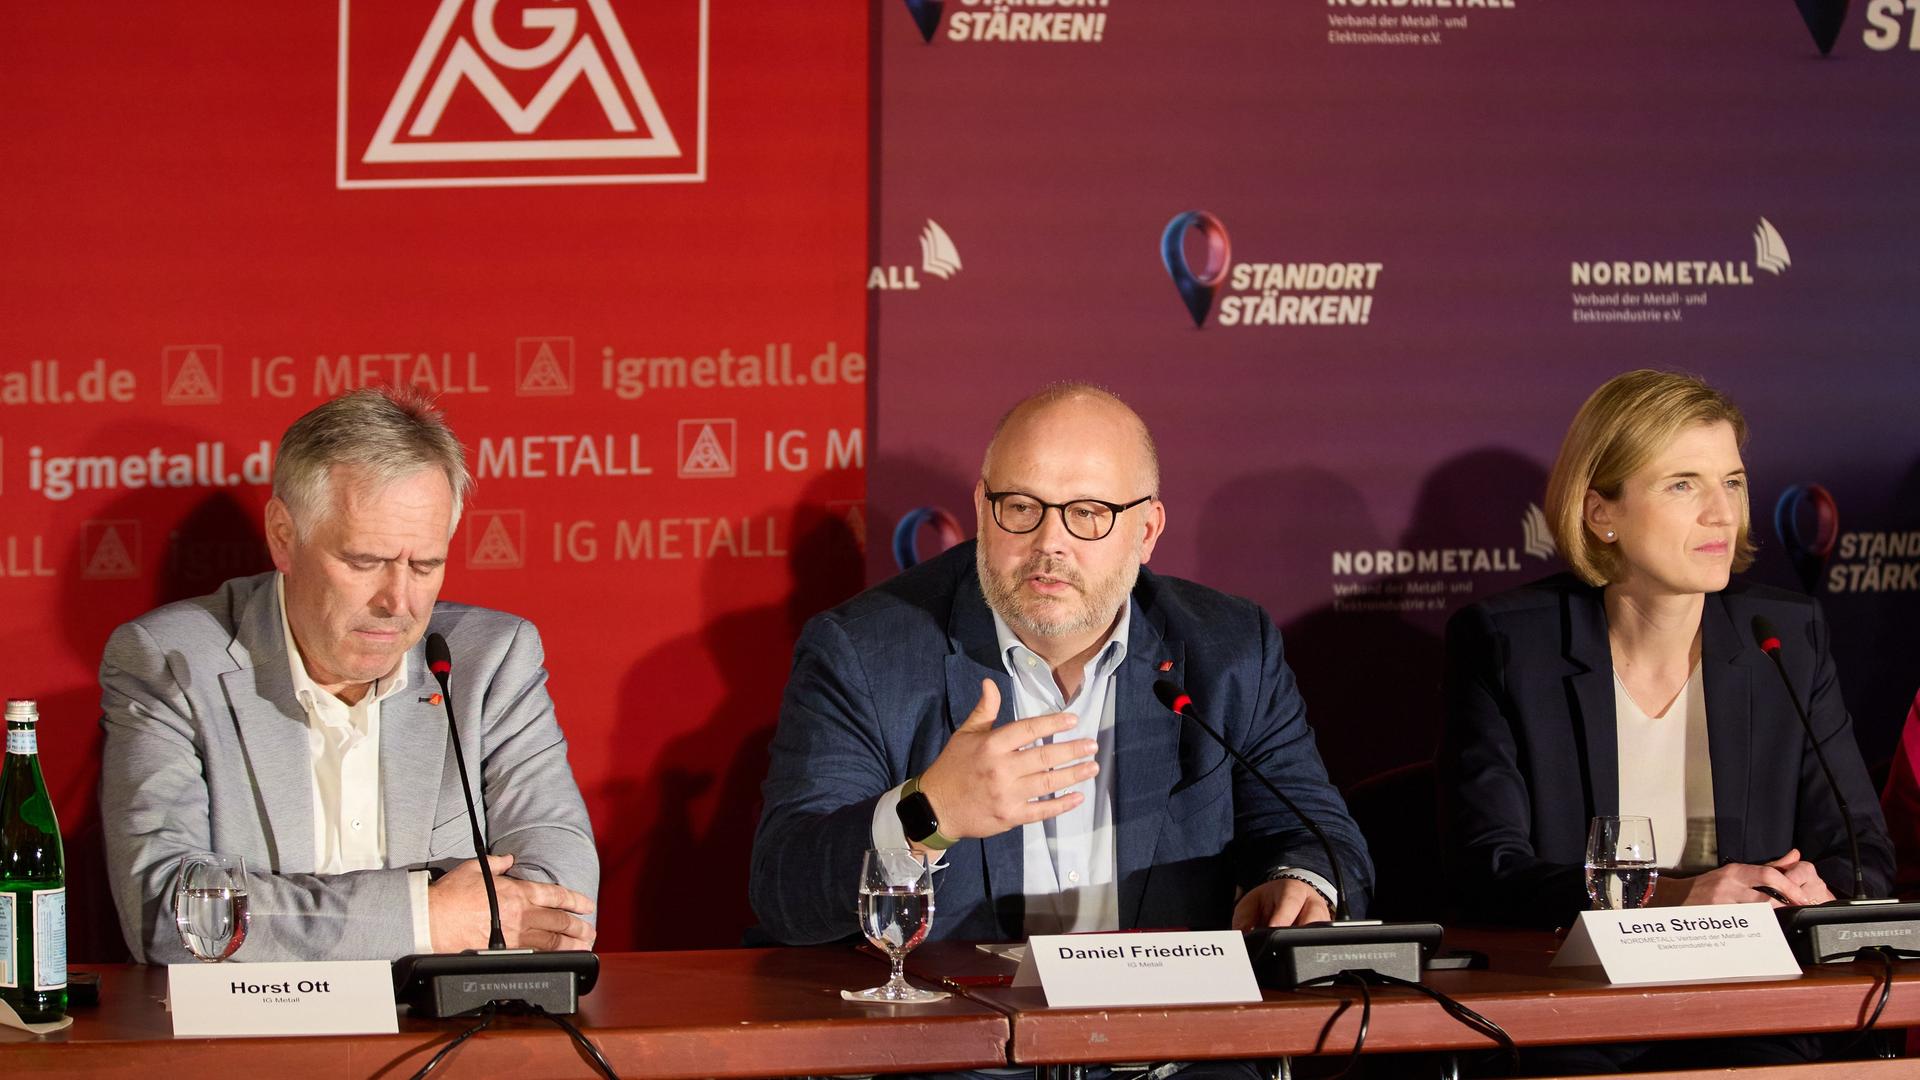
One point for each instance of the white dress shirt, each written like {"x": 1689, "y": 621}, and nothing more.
{"x": 349, "y": 827}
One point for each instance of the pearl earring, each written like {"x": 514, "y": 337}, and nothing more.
{"x": 1609, "y": 535}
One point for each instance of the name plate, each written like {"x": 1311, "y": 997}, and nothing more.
{"x": 1201, "y": 967}
{"x": 1645, "y": 946}
{"x": 330, "y": 997}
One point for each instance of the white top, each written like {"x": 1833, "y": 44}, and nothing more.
{"x": 1666, "y": 775}
{"x": 349, "y": 827}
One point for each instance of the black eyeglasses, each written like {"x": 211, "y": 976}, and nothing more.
{"x": 1088, "y": 519}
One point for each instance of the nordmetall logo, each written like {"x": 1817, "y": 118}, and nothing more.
{"x": 464, "y": 93}
{"x": 1022, "y": 22}
{"x": 939, "y": 258}
{"x": 1664, "y": 290}
{"x": 1429, "y": 579}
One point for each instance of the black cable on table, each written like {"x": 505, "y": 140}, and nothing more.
{"x": 585, "y": 1044}
{"x": 1886, "y": 954}
{"x": 1351, "y": 978}
{"x": 487, "y": 1014}
{"x": 1455, "y": 1009}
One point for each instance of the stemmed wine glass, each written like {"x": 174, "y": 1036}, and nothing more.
{"x": 1620, "y": 870}
{"x": 896, "y": 911}
{"x": 210, "y": 904}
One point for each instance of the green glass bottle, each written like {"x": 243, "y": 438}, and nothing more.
{"x": 33, "y": 879}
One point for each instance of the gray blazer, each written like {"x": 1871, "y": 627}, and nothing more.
{"x": 206, "y": 750}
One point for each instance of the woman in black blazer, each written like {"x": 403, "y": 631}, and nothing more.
{"x": 1648, "y": 505}
{"x": 1635, "y": 680}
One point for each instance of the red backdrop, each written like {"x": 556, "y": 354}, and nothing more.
{"x": 659, "y": 372}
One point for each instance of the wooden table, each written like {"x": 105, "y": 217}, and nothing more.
{"x": 1518, "y": 991}
{"x": 721, "y": 1013}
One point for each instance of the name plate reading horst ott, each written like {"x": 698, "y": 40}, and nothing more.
{"x": 1680, "y": 944}
{"x": 1096, "y": 970}
{"x": 331, "y": 997}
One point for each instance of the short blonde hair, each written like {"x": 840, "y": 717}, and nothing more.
{"x": 1626, "y": 422}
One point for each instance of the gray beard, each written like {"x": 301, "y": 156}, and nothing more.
{"x": 1098, "y": 608}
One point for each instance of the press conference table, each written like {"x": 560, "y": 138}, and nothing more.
{"x": 734, "y": 1012}
{"x": 776, "y": 1012}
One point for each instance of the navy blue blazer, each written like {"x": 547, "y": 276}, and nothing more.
{"x": 880, "y": 683}
{"x": 1530, "y": 752}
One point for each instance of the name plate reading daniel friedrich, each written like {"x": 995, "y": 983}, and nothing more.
{"x": 1680, "y": 944}
{"x": 322, "y": 997}
{"x": 1095, "y": 970}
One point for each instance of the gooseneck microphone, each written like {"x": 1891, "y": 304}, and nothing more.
{"x": 1286, "y": 957}
{"x": 458, "y": 984}
{"x": 1842, "y": 929}
{"x": 440, "y": 662}
{"x": 1768, "y": 639}
{"x": 1177, "y": 700}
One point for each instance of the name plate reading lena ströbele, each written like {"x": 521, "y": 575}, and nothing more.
{"x": 321, "y": 997}
{"x": 1644, "y": 946}
{"x": 1201, "y": 967}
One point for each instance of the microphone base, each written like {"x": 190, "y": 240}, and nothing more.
{"x": 450, "y": 984}
{"x": 1286, "y": 956}
{"x": 1833, "y": 933}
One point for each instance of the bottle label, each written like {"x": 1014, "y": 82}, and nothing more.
{"x": 9, "y": 953}
{"x": 49, "y": 939}
{"x": 21, "y": 740}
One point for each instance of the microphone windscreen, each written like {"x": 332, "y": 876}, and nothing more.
{"x": 1764, "y": 635}
{"x": 439, "y": 657}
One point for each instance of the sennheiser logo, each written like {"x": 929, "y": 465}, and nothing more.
{"x": 1877, "y": 933}
{"x": 507, "y": 92}
{"x": 504, "y": 986}
{"x": 1328, "y": 956}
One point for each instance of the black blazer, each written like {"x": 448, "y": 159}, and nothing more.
{"x": 1530, "y": 751}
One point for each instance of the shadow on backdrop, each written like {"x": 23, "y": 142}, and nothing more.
{"x": 692, "y": 816}
{"x": 188, "y": 554}
{"x": 1370, "y": 663}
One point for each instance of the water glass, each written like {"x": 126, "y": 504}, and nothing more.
{"x": 1620, "y": 870}
{"x": 210, "y": 904}
{"x": 896, "y": 911}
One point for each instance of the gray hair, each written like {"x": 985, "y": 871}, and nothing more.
{"x": 386, "y": 432}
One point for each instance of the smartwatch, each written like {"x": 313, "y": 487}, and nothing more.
{"x": 917, "y": 818}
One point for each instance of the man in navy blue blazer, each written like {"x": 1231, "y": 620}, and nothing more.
{"x": 994, "y": 707}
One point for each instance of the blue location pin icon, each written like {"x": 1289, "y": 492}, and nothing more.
{"x": 926, "y": 15}
{"x": 1808, "y": 522}
{"x": 1196, "y": 285}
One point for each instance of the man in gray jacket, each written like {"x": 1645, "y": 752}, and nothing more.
{"x": 290, "y": 718}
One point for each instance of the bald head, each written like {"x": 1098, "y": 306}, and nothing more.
{"x": 1083, "y": 415}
